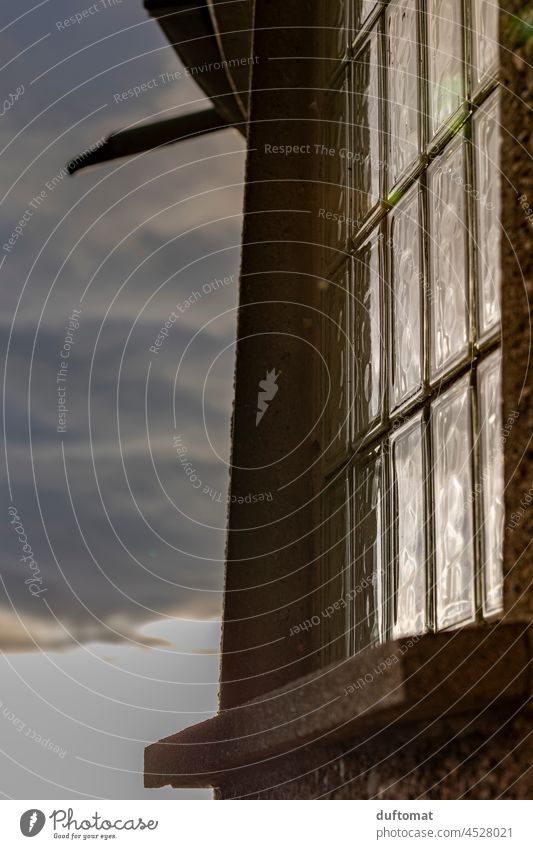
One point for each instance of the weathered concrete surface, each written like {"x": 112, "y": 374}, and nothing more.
{"x": 270, "y": 572}
{"x": 517, "y": 262}
{"x": 485, "y": 759}
{"x": 398, "y": 703}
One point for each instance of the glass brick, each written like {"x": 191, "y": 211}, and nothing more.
{"x": 334, "y": 32}
{"x": 448, "y": 233}
{"x": 445, "y": 60}
{"x": 485, "y": 15}
{"x": 406, "y": 296}
{"x": 368, "y": 533}
{"x": 487, "y": 139}
{"x": 365, "y": 127}
{"x": 335, "y": 395}
{"x": 335, "y": 632}
{"x": 492, "y": 481}
{"x": 365, "y": 304}
{"x": 362, "y": 11}
{"x": 335, "y": 171}
{"x": 409, "y": 598}
{"x": 452, "y": 482}
{"x": 402, "y": 85}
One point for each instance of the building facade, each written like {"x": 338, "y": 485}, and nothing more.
{"x": 376, "y": 639}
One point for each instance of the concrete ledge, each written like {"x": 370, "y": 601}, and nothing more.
{"x": 408, "y": 681}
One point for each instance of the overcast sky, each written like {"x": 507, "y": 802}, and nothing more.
{"x": 115, "y": 643}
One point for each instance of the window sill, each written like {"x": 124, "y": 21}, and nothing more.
{"x": 407, "y": 681}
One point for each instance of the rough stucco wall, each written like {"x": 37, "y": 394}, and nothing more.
{"x": 517, "y": 263}
{"x": 485, "y": 759}
{"x": 269, "y": 570}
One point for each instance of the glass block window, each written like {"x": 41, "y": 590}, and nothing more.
{"x": 491, "y": 481}
{"x": 335, "y": 372}
{"x": 367, "y": 335}
{"x": 334, "y": 173}
{"x": 402, "y": 87}
{"x": 409, "y": 588}
{"x": 406, "y": 297}
{"x": 367, "y": 553}
{"x": 484, "y": 40}
{"x": 448, "y": 247}
{"x": 337, "y": 572}
{"x": 487, "y": 141}
{"x": 411, "y": 402}
{"x": 366, "y": 126}
{"x": 446, "y": 90}
{"x": 334, "y": 31}
{"x": 452, "y": 494}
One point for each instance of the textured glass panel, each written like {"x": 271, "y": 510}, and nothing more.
{"x": 406, "y": 279}
{"x": 362, "y": 10}
{"x": 368, "y": 553}
{"x": 445, "y": 60}
{"x": 448, "y": 250}
{"x": 335, "y": 571}
{"x": 336, "y": 206}
{"x": 334, "y": 31}
{"x": 365, "y": 127}
{"x": 487, "y": 137}
{"x": 454, "y": 550}
{"x": 492, "y": 481}
{"x": 402, "y": 82}
{"x": 409, "y": 608}
{"x": 484, "y": 37}
{"x": 335, "y": 372}
{"x": 366, "y": 335}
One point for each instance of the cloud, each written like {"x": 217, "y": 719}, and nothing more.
{"x": 45, "y": 634}
{"x": 120, "y": 535}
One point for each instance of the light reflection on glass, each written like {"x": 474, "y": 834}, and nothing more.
{"x": 487, "y": 137}
{"x": 485, "y": 15}
{"x": 408, "y": 336}
{"x": 405, "y": 293}
{"x": 402, "y": 81}
{"x": 368, "y": 553}
{"x": 367, "y": 335}
{"x": 335, "y": 571}
{"x": 409, "y": 602}
{"x": 366, "y": 127}
{"x": 448, "y": 250}
{"x": 492, "y": 481}
{"x": 452, "y": 484}
{"x": 335, "y": 372}
{"x": 445, "y": 60}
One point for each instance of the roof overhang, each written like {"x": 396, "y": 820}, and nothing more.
{"x": 213, "y": 41}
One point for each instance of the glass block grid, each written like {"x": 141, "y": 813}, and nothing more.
{"x": 409, "y": 579}
{"x": 367, "y": 481}
{"x": 448, "y": 251}
{"x": 337, "y": 573}
{"x": 491, "y": 473}
{"x": 418, "y": 286}
{"x": 337, "y": 357}
{"x": 366, "y": 129}
{"x": 402, "y": 60}
{"x": 452, "y": 494}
